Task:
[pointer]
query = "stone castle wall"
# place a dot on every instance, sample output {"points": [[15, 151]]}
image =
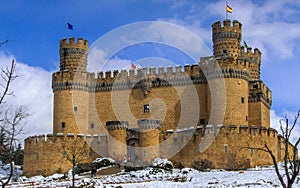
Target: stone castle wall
{"points": [[45, 156], [232, 100]]}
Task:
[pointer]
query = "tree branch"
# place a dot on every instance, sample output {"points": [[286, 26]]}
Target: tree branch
{"points": [[8, 76]]}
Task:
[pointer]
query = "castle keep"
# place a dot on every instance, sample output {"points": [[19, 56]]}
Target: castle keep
{"points": [[145, 113]]}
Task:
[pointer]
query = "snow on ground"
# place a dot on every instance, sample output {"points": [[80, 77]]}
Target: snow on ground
{"points": [[159, 178], [156, 178]]}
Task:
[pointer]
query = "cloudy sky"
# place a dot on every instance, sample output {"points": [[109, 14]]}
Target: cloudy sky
{"points": [[34, 29]]}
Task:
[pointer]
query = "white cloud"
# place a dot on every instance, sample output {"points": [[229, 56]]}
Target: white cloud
{"points": [[33, 89]]}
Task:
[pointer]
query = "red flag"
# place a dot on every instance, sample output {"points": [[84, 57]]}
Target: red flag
{"points": [[133, 66]]}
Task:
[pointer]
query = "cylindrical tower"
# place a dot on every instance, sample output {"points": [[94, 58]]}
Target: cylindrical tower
{"points": [[149, 139], [70, 88], [117, 148], [73, 56], [233, 75], [227, 38]]}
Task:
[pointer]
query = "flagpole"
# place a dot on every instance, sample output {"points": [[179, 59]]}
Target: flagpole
{"points": [[226, 9]]}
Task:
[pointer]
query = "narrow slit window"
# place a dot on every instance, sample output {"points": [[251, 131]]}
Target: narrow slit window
{"points": [[146, 108], [242, 100], [225, 148]]}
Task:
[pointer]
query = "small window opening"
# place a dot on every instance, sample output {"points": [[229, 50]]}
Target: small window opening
{"points": [[225, 148], [242, 100], [63, 125], [146, 108], [75, 108], [202, 121], [251, 152], [92, 125]]}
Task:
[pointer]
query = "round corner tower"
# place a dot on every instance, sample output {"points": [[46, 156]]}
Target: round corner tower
{"points": [[235, 73], [70, 88], [227, 38], [73, 56], [149, 139], [117, 140]]}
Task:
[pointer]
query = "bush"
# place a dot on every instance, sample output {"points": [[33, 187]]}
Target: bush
{"points": [[233, 162], [162, 163], [103, 162], [98, 163], [203, 165]]}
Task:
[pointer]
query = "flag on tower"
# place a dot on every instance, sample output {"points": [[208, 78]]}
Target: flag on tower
{"points": [[70, 26], [245, 45], [228, 9], [133, 66]]}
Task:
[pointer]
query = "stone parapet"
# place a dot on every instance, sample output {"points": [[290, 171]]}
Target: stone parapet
{"points": [[116, 125], [259, 92], [149, 124]]}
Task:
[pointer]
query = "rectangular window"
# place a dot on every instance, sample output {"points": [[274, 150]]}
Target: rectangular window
{"points": [[92, 125], [202, 121], [246, 118], [242, 100], [251, 152], [75, 108], [225, 148], [63, 125], [146, 108]]}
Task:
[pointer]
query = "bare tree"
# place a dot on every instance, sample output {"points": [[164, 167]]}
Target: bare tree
{"points": [[11, 125], [75, 150], [290, 160], [8, 75], [10, 120]]}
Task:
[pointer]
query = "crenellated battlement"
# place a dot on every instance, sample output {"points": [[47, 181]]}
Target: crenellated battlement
{"points": [[73, 55], [226, 38], [60, 137], [253, 57], [117, 125], [258, 91], [70, 43], [149, 124], [157, 77], [227, 30], [200, 130]]}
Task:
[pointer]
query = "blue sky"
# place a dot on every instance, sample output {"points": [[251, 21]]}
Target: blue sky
{"points": [[34, 29]]}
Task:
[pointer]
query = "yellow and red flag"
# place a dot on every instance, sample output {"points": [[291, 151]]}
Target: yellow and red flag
{"points": [[228, 9]]}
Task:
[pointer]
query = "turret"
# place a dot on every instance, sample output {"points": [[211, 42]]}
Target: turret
{"points": [[227, 38], [232, 78], [73, 55], [117, 139], [149, 139], [70, 88]]}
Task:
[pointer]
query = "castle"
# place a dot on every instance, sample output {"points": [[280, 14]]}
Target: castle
{"points": [[217, 109]]}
